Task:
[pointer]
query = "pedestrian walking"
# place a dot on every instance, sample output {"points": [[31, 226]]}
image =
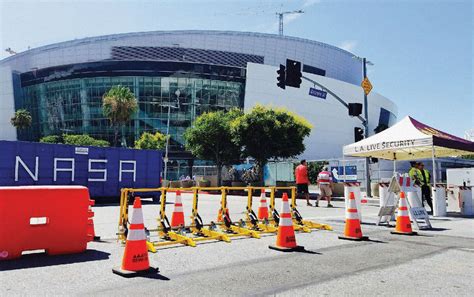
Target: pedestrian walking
{"points": [[325, 186], [302, 181], [425, 186]]}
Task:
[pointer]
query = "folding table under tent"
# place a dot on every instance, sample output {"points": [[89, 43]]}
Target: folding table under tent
{"points": [[409, 140]]}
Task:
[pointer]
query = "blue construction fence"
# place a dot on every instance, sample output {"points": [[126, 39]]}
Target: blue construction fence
{"points": [[103, 170]]}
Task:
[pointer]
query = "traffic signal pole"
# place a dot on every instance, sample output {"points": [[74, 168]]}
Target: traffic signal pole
{"points": [[366, 133], [364, 121], [293, 78]]}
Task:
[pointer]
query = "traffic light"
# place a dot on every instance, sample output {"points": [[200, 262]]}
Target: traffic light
{"points": [[281, 77], [355, 109], [358, 134], [293, 73]]}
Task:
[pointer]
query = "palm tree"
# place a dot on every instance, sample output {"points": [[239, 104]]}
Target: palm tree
{"points": [[118, 105], [22, 119]]}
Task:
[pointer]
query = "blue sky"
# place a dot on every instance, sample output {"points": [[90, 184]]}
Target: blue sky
{"points": [[422, 50]]}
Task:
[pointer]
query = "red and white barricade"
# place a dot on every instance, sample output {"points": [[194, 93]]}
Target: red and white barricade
{"points": [[460, 199], [383, 193], [438, 194]]}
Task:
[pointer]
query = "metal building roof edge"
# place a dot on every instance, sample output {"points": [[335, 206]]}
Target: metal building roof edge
{"points": [[85, 40]]}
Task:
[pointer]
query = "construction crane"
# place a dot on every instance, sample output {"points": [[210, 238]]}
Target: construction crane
{"points": [[10, 51], [280, 16]]}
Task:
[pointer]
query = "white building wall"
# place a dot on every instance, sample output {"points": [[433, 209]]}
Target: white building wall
{"points": [[7, 104], [332, 126]]}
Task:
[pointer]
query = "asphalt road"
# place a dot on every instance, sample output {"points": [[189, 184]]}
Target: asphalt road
{"points": [[435, 263]]}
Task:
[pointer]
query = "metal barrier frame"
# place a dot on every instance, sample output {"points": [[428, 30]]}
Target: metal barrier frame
{"points": [[209, 231]]}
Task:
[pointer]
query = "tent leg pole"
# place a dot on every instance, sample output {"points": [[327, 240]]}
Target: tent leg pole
{"points": [[439, 202], [394, 166]]}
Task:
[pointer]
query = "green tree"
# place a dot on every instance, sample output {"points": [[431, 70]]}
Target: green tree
{"points": [[84, 140], [52, 139], [118, 105], [210, 138], [266, 133], [149, 141], [314, 168], [22, 119]]}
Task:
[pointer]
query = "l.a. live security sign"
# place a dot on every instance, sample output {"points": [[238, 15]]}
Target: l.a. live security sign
{"points": [[103, 170]]}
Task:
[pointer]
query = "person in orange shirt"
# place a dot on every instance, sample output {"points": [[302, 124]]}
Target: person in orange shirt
{"points": [[302, 181]]}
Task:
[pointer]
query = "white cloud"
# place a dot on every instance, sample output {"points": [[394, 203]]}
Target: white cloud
{"points": [[308, 3], [348, 45], [291, 17]]}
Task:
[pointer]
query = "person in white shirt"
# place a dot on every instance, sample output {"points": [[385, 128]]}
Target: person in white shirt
{"points": [[325, 186]]}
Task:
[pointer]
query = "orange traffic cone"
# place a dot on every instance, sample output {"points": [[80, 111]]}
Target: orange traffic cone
{"points": [[219, 215], [403, 225], [177, 218], [263, 209], [286, 241], [135, 258], [352, 230]]}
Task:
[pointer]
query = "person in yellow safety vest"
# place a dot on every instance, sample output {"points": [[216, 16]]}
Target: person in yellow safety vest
{"points": [[425, 185], [415, 173]]}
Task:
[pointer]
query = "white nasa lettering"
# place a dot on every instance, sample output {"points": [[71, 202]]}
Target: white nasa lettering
{"points": [[34, 174], [56, 169], [96, 170], [18, 161], [121, 170]]}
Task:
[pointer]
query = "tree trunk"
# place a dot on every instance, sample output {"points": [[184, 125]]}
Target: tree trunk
{"points": [[116, 132], [219, 174], [261, 165]]}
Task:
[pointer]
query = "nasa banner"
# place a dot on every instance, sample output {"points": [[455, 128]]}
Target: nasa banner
{"points": [[103, 170]]}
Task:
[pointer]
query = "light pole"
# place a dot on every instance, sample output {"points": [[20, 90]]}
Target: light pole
{"points": [[177, 93], [365, 62]]}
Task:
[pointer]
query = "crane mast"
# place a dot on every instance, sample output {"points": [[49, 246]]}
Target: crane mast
{"points": [[280, 18]]}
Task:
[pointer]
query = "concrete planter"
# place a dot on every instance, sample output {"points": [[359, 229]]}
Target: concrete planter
{"points": [[175, 184], [204, 183], [187, 183]]}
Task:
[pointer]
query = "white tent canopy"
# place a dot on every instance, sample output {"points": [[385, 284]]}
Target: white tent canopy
{"points": [[409, 140]]}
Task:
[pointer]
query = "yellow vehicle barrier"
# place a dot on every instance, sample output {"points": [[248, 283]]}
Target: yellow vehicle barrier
{"points": [[206, 232], [264, 226], [165, 232], [298, 219], [233, 229], [222, 231], [276, 216]]}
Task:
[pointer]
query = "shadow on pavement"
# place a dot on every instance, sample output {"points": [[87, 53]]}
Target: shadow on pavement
{"points": [[436, 229], [305, 251], [376, 241], [368, 224], [43, 260], [156, 276]]}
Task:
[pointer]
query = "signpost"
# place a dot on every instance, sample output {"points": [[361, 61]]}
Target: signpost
{"points": [[366, 85], [317, 93]]}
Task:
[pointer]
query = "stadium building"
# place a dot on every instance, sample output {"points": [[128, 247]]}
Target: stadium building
{"points": [[193, 72]]}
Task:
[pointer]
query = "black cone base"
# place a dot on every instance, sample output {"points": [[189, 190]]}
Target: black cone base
{"points": [[404, 233], [363, 238], [298, 248], [128, 274]]}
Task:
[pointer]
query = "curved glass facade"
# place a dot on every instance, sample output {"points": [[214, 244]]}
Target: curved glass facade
{"points": [[74, 105]]}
